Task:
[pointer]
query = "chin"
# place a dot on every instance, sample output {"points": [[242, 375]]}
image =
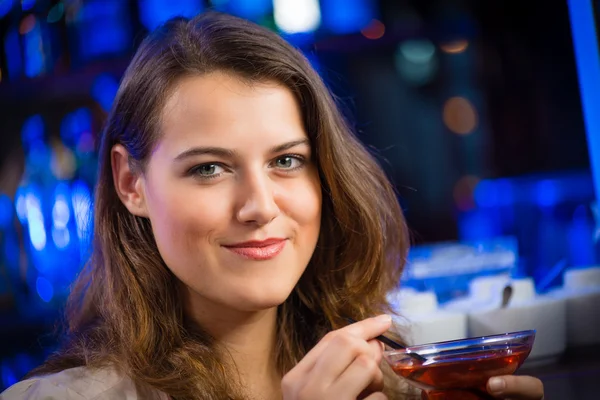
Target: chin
{"points": [[263, 300]]}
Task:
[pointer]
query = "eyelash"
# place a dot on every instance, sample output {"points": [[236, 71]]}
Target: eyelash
{"points": [[194, 171]]}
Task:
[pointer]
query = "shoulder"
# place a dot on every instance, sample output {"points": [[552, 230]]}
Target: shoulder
{"points": [[78, 384]]}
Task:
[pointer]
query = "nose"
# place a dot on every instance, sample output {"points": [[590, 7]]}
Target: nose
{"points": [[258, 205]]}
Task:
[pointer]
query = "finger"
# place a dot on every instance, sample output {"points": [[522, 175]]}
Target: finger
{"points": [[360, 376], [365, 329], [369, 328], [377, 349], [516, 387], [341, 352]]}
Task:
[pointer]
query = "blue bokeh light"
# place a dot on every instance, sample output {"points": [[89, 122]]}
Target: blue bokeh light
{"points": [[5, 7], [61, 237], [12, 49], [104, 90], [547, 194], [155, 12], [12, 250], [60, 212], [81, 200], [27, 4], [44, 289], [505, 195], [587, 56], [485, 194], [347, 16], [252, 10], [34, 51], [32, 131], [8, 376], [580, 237], [103, 28], [78, 122], [6, 211], [23, 363], [35, 221], [20, 204]]}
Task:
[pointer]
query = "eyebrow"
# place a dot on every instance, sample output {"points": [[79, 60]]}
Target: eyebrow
{"points": [[228, 153]]}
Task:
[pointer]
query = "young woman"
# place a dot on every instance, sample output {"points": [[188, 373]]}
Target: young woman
{"points": [[238, 223]]}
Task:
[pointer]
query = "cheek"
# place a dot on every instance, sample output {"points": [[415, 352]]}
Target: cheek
{"points": [[304, 206], [182, 222]]}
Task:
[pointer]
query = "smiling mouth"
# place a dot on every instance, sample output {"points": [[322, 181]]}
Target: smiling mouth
{"points": [[258, 250]]}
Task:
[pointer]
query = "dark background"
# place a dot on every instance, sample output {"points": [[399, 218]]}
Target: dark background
{"points": [[501, 73]]}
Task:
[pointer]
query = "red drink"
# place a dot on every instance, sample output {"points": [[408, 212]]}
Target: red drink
{"points": [[460, 369]]}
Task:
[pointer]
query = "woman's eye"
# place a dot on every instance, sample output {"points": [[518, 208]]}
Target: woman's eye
{"points": [[207, 170], [288, 162]]}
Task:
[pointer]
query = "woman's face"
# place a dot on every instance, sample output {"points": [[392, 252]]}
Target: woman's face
{"points": [[232, 192]]}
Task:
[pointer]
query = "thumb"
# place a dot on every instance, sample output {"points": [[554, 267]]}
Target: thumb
{"points": [[516, 387]]}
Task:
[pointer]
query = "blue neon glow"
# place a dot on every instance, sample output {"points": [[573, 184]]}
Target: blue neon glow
{"points": [[14, 57], [34, 51], [81, 200], [347, 16], [580, 237], [485, 194], [6, 210], [104, 90], [32, 131], [35, 222], [60, 212], [23, 363], [505, 195], [79, 122], [44, 289], [477, 224], [252, 10], [61, 237], [27, 4], [20, 204], [103, 28], [314, 61], [547, 193], [155, 12], [585, 42], [5, 7], [12, 251], [8, 376]]}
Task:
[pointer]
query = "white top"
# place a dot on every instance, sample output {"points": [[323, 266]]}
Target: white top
{"points": [[79, 383]]}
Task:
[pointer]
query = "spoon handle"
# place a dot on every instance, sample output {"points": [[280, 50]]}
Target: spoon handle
{"points": [[393, 344]]}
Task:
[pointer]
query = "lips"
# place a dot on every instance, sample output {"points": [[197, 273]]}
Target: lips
{"points": [[258, 250]]}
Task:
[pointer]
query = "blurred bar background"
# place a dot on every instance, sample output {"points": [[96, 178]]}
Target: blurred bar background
{"points": [[474, 108]]}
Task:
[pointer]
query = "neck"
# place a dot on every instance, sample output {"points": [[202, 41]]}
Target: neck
{"points": [[247, 337]]}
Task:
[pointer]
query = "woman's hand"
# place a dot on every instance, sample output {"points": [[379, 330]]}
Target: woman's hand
{"points": [[343, 365], [516, 387]]}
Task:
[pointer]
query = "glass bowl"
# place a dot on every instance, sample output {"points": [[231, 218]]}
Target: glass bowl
{"points": [[460, 369]]}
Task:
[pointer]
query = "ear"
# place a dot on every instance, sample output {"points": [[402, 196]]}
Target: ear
{"points": [[129, 183]]}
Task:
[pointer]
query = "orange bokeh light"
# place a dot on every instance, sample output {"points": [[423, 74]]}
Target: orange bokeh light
{"points": [[27, 24], [455, 46], [375, 30], [460, 115]]}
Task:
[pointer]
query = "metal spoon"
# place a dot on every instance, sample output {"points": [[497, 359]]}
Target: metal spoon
{"points": [[394, 345]]}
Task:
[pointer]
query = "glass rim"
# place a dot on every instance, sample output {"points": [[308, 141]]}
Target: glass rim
{"points": [[432, 348]]}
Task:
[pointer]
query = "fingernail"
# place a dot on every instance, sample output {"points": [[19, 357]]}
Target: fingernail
{"points": [[496, 384], [384, 319]]}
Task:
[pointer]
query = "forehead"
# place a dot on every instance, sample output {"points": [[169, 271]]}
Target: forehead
{"points": [[218, 104]]}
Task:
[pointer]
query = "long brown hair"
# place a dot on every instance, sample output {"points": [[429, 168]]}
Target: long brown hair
{"points": [[124, 310]]}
